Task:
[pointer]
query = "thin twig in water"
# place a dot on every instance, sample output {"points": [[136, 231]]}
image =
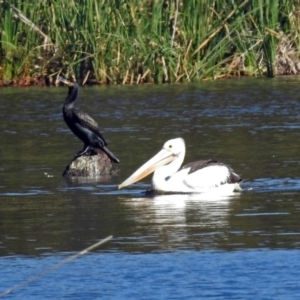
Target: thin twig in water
{"points": [[19, 286]]}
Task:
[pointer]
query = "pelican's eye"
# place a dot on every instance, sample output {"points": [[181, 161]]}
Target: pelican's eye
{"points": [[170, 146]]}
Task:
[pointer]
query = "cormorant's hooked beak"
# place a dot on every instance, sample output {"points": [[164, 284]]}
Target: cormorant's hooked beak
{"points": [[65, 81], [160, 159]]}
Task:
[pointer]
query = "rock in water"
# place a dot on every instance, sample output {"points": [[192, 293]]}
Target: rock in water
{"points": [[94, 163]]}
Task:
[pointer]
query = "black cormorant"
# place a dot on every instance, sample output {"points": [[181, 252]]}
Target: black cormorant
{"points": [[82, 125]]}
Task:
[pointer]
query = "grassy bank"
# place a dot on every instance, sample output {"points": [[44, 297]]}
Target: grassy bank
{"points": [[150, 41]]}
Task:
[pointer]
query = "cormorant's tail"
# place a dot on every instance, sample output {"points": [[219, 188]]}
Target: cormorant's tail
{"points": [[110, 154]]}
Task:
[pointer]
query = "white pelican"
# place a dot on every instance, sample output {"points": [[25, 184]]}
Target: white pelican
{"points": [[197, 177]]}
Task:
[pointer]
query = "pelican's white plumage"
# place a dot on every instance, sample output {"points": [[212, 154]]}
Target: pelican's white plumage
{"points": [[198, 177]]}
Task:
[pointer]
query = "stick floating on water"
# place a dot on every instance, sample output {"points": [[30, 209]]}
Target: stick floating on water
{"points": [[83, 252]]}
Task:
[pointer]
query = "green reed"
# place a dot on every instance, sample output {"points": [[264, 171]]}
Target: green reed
{"points": [[131, 41]]}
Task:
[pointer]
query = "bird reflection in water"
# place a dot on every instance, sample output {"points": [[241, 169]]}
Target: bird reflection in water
{"points": [[172, 220]]}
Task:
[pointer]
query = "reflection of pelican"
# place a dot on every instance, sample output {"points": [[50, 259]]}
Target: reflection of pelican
{"points": [[197, 177], [172, 214]]}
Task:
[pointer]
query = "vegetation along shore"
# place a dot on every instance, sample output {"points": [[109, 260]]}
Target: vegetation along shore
{"points": [[148, 41]]}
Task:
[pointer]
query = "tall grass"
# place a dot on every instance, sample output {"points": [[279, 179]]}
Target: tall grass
{"points": [[134, 41]]}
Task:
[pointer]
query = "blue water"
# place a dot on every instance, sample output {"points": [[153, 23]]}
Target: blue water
{"points": [[252, 274]]}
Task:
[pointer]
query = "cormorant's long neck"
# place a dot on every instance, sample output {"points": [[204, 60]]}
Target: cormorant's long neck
{"points": [[72, 95]]}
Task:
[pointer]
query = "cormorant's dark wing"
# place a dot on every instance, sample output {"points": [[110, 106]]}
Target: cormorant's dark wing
{"points": [[87, 122]]}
